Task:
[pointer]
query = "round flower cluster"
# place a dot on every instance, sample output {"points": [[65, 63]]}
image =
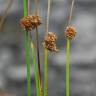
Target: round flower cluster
{"points": [[30, 22], [70, 32], [49, 42]]}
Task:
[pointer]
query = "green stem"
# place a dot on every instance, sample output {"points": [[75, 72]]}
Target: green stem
{"points": [[25, 7], [45, 71], [27, 51], [68, 68], [38, 59], [35, 69], [46, 53]]}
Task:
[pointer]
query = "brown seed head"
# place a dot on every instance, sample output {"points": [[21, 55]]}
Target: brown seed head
{"points": [[70, 32], [26, 23], [49, 42], [50, 37], [30, 22], [36, 21]]}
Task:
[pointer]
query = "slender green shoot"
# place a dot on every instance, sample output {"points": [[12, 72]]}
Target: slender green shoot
{"points": [[68, 68], [25, 7], [37, 45], [45, 71], [38, 59], [68, 53], [46, 53], [27, 50], [33, 56], [35, 69]]}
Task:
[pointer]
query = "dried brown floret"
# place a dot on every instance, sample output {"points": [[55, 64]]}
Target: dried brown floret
{"points": [[70, 32], [49, 42], [51, 37], [26, 23], [30, 22], [36, 21]]}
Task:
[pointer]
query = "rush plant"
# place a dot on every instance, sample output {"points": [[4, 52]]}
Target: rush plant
{"points": [[69, 34], [31, 22]]}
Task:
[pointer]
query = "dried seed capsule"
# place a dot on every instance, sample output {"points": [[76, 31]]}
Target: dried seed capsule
{"points": [[26, 23], [70, 32], [50, 46], [30, 22], [36, 21], [50, 37], [49, 42]]}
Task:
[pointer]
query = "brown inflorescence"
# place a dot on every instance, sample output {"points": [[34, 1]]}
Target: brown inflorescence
{"points": [[30, 22], [49, 42], [70, 32]]}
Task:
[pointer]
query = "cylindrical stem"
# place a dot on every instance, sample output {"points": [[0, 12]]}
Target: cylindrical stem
{"points": [[37, 41], [35, 69], [46, 53], [27, 52], [38, 58], [71, 11], [45, 72], [37, 6], [48, 15], [68, 68], [28, 7], [28, 65]]}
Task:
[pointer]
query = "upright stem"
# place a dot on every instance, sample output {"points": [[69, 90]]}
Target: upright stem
{"points": [[28, 8], [38, 58], [46, 53], [27, 51], [37, 41], [68, 54], [48, 15], [35, 69], [25, 7], [45, 72], [37, 7], [71, 11], [33, 56], [68, 68], [28, 65]]}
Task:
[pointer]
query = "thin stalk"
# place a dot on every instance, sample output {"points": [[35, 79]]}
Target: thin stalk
{"points": [[68, 68], [45, 72], [46, 53], [27, 51], [71, 11], [35, 66], [37, 43], [48, 15], [33, 56], [68, 54], [28, 8], [35, 69], [25, 7], [38, 59], [37, 7]]}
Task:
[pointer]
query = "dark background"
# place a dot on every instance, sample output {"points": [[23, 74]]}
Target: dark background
{"points": [[83, 48]]}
